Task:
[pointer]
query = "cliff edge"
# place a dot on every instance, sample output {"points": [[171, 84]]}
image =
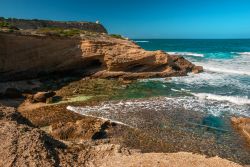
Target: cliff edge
{"points": [[37, 24]]}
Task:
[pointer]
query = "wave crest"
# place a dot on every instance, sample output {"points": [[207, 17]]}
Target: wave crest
{"points": [[141, 41], [242, 53], [186, 54], [232, 99]]}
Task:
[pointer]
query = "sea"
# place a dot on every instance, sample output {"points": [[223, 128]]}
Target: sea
{"points": [[223, 87]]}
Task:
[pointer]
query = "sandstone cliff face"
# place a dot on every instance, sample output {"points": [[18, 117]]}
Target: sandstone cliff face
{"points": [[35, 24], [28, 56]]}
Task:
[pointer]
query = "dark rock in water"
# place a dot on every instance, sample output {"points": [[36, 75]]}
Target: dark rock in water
{"points": [[42, 96], [13, 93]]}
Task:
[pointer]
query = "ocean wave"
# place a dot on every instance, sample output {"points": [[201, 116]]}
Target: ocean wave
{"points": [[186, 54], [242, 53], [232, 99], [141, 41], [224, 70], [110, 108]]}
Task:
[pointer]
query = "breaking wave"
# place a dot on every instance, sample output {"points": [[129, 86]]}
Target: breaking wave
{"points": [[242, 53], [186, 54], [224, 70], [232, 99], [141, 41]]}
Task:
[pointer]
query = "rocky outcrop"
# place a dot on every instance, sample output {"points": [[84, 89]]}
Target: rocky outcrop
{"points": [[99, 55], [36, 24], [24, 145], [243, 125], [42, 96]]}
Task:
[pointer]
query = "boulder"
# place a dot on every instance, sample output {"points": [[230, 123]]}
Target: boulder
{"points": [[43, 96], [197, 69]]}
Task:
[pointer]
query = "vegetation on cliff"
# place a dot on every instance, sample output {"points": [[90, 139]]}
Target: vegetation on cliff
{"points": [[37, 24]]}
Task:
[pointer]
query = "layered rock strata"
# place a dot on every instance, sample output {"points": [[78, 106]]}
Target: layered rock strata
{"points": [[32, 55]]}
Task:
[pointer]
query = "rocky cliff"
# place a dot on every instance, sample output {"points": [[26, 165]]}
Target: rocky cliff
{"points": [[30, 54], [36, 24]]}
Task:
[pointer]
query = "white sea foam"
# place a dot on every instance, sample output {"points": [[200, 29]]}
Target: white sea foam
{"points": [[232, 99], [141, 41], [224, 70], [112, 109], [236, 66], [207, 79], [175, 90], [242, 53], [80, 110], [186, 54]]}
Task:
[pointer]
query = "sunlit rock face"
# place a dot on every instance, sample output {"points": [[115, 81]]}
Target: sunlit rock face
{"points": [[28, 55]]}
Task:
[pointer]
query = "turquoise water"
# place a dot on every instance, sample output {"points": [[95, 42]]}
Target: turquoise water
{"points": [[224, 87]]}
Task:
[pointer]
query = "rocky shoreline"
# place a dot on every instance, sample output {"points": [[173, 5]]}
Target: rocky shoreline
{"points": [[43, 71]]}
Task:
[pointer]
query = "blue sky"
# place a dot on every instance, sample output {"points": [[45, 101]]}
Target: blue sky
{"points": [[144, 18]]}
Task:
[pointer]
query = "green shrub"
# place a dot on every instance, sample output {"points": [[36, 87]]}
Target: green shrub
{"points": [[5, 24], [59, 31], [116, 36]]}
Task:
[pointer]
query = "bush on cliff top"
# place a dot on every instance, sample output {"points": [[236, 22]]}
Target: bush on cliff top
{"points": [[5, 24], [116, 36], [8, 26], [59, 31], [64, 32]]}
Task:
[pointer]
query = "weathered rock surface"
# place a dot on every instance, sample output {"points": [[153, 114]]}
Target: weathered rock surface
{"points": [[243, 125], [82, 129], [28, 56], [42, 96], [24, 145]]}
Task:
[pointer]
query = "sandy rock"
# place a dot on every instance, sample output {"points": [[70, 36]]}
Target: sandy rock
{"points": [[197, 69], [23, 145], [243, 125], [87, 129], [42, 96]]}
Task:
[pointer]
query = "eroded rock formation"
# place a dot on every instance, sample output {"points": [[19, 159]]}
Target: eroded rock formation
{"points": [[27, 56]]}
